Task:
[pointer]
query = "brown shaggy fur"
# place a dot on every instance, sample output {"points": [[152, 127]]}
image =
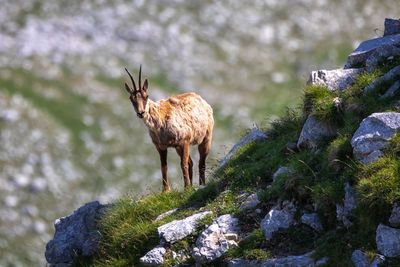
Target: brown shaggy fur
{"points": [[178, 121]]}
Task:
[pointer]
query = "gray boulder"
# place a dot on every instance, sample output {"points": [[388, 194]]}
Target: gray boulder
{"points": [[276, 219], [388, 240], [251, 202], [392, 26], [359, 56], [359, 259], [345, 211], [75, 234], [394, 219], [179, 229], [313, 130], [154, 257], [279, 172], [392, 74], [313, 221], [216, 239], [373, 134], [254, 136], [296, 261], [381, 53], [335, 80]]}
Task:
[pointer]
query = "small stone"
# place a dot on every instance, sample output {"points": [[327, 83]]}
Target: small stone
{"points": [[335, 80], [313, 221], [291, 146], [392, 90], [251, 202], [392, 74], [359, 259], [345, 211], [392, 26], [254, 136], [276, 219], [377, 261], [154, 257], [322, 261], [216, 239], [394, 219], [373, 134], [313, 130], [258, 211], [388, 240], [179, 229], [280, 171], [165, 214], [243, 195]]}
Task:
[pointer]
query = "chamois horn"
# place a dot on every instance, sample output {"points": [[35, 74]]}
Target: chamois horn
{"points": [[133, 82], [140, 77]]}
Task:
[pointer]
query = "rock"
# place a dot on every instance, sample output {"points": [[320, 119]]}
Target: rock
{"points": [[372, 157], [179, 229], [392, 90], [216, 239], [279, 172], [180, 256], [75, 234], [313, 130], [381, 53], [297, 261], [251, 202], [243, 195], [388, 240], [392, 74], [394, 219], [345, 211], [322, 261], [165, 214], [377, 261], [359, 259], [392, 26], [313, 221], [254, 136], [335, 80], [366, 48], [154, 257], [291, 147], [276, 219], [373, 134]]}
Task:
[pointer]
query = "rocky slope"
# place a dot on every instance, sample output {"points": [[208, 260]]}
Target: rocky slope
{"points": [[319, 188]]}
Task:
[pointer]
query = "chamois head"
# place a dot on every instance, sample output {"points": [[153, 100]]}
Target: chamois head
{"points": [[139, 96]]}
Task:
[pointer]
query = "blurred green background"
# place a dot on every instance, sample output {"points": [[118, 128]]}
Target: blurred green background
{"points": [[68, 133]]}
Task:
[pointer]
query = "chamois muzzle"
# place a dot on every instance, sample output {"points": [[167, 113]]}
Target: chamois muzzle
{"points": [[140, 114]]}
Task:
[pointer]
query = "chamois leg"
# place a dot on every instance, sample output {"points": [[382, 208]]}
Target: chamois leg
{"points": [[204, 148], [164, 169], [179, 150], [183, 152], [190, 170]]}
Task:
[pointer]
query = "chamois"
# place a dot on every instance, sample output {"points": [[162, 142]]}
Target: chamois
{"points": [[178, 121]]}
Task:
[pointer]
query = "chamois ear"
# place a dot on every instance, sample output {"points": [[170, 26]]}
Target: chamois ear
{"points": [[128, 89], [145, 85]]}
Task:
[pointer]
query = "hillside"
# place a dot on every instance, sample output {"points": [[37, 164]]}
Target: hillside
{"points": [[319, 187]]}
